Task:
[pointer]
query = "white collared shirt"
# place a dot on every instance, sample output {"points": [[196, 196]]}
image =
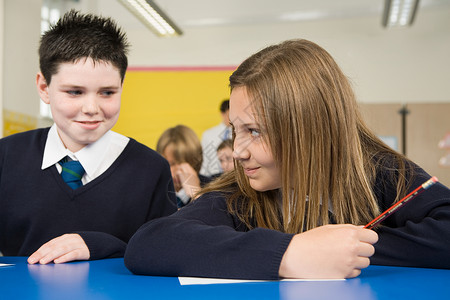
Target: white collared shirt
{"points": [[95, 158]]}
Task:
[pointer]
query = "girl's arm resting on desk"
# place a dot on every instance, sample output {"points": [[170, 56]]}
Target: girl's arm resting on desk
{"points": [[203, 239]]}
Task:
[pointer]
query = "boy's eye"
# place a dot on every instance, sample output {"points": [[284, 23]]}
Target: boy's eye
{"points": [[107, 93], [74, 92]]}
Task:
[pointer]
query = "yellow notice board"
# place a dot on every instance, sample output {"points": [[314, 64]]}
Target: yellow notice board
{"points": [[15, 122], [155, 99]]}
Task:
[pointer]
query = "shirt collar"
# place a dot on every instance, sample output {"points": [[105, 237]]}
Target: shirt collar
{"points": [[89, 156], [54, 149]]}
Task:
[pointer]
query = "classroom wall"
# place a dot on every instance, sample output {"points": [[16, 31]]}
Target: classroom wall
{"points": [[21, 33], [386, 66], [425, 125], [154, 99]]}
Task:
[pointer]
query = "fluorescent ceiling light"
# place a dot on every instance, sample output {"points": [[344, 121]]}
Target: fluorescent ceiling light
{"points": [[152, 16], [399, 12]]}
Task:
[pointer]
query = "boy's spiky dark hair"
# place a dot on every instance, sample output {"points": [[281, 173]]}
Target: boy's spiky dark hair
{"points": [[76, 36]]}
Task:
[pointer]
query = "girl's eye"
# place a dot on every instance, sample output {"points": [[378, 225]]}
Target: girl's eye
{"points": [[254, 132]]}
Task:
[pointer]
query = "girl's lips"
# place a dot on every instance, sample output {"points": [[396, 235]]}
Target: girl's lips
{"points": [[250, 171]]}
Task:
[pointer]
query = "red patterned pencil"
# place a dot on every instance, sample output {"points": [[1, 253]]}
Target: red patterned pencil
{"points": [[403, 201]]}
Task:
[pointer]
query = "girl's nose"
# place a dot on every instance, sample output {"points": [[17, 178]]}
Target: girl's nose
{"points": [[240, 149]]}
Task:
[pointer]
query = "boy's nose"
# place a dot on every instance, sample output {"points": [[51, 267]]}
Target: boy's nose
{"points": [[90, 105]]}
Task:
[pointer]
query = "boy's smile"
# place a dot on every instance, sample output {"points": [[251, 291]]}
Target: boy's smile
{"points": [[84, 98]]}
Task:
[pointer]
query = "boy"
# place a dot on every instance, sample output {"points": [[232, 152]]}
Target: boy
{"points": [[211, 138], [225, 155], [123, 183]]}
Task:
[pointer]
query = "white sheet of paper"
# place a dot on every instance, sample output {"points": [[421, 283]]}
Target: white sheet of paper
{"points": [[6, 265], [201, 280]]}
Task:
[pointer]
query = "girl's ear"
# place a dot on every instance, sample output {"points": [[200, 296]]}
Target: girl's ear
{"points": [[42, 88]]}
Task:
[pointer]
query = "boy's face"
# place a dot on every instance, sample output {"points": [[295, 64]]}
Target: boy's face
{"points": [[225, 156], [84, 99]]}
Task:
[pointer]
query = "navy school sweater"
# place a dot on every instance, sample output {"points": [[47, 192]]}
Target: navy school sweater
{"points": [[215, 243], [37, 205]]}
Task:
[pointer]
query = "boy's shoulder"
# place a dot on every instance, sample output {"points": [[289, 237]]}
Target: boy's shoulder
{"points": [[142, 152], [34, 136]]}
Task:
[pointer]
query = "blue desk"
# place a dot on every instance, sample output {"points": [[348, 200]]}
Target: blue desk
{"points": [[109, 279]]}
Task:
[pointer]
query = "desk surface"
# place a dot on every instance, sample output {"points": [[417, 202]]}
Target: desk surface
{"points": [[109, 279]]}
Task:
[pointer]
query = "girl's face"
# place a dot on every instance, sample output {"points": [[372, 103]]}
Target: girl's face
{"points": [[250, 149], [174, 165], [225, 156]]}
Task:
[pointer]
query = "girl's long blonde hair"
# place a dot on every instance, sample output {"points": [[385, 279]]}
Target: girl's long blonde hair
{"points": [[186, 145], [327, 156]]}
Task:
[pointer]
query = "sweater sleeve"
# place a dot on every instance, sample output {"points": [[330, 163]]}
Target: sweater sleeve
{"points": [[418, 234], [103, 245], [204, 240]]}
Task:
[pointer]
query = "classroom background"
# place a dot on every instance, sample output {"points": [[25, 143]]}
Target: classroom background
{"points": [[401, 76]]}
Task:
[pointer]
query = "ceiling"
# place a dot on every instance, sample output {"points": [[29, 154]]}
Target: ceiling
{"points": [[207, 13]]}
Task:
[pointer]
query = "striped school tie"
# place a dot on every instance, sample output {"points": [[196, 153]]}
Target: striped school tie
{"points": [[71, 173]]}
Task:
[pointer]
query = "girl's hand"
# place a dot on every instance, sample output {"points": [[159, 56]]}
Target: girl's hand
{"points": [[65, 248], [188, 178], [330, 251]]}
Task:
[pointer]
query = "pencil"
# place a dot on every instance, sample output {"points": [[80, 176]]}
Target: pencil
{"points": [[398, 204]]}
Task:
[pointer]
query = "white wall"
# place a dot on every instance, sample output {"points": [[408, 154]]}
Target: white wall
{"points": [[21, 33], [386, 65], [396, 65]]}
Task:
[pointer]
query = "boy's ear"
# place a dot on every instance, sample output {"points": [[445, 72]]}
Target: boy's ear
{"points": [[42, 88]]}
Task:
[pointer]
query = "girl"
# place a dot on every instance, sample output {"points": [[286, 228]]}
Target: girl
{"points": [[308, 175], [182, 149]]}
